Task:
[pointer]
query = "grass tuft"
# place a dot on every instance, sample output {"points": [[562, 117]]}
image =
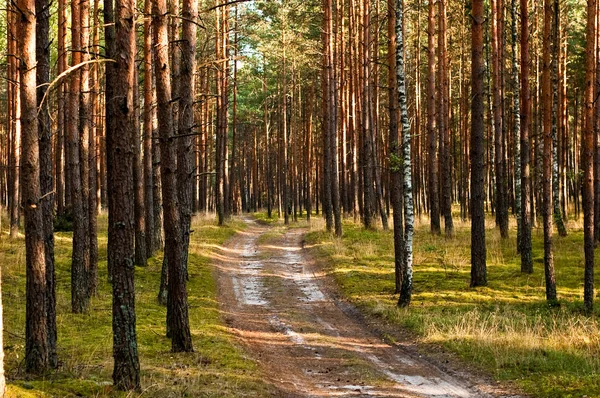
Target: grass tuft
{"points": [[217, 368], [506, 328]]}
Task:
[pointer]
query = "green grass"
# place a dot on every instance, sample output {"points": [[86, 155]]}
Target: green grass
{"points": [[217, 368], [506, 328]]}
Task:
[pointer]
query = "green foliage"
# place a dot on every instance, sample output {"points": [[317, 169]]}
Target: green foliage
{"points": [[506, 328], [217, 368]]}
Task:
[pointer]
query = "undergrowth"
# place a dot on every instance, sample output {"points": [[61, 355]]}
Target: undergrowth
{"points": [[217, 368], [506, 328]]}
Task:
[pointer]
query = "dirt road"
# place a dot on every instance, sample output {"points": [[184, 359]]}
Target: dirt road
{"points": [[275, 300]]}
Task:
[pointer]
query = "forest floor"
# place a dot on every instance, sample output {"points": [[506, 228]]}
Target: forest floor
{"points": [[218, 367], [310, 342], [505, 330]]}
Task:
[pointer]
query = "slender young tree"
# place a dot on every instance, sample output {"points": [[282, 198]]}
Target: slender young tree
{"points": [[177, 306], [80, 257], [434, 198], [477, 154], [148, 109], [395, 150], [409, 218], [121, 232], [547, 161], [588, 159], [525, 219], [444, 123]]}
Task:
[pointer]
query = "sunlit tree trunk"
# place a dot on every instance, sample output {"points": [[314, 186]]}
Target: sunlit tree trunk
{"points": [[36, 339], [407, 274], [478, 249]]}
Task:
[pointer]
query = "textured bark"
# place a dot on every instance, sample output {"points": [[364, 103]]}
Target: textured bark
{"points": [[588, 159], [148, 112], [221, 118], [497, 83], [140, 257], [177, 306], [516, 109], [42, 49], [84, 142], [15, 127], [434, 199], [36, 339], [444, 124], [525, 219], [121, 234], [80, 256], [547, 161], [558, 218], [61, 117], [94, 205], [395, 151], [478, 249], [367, 122], [186, 172], [409, 218], [109, 38]]}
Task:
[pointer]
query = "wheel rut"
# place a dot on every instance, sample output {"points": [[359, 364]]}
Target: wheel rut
{"points": [[273, 300]]}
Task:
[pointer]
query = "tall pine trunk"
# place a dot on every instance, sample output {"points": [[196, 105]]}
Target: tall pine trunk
{"points": [[525, 218], [547, 161], [36, 340], [477, 154], [121, 231], [177, 306], [588, 159], [46, 181]]}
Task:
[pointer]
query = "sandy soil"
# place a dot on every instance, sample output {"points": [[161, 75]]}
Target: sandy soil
{"points": [[278, 304]]}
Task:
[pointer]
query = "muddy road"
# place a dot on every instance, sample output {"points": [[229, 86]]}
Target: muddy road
{"points": [[276, 301]]}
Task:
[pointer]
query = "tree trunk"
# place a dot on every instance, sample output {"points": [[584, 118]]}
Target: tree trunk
{"points": [[148, 113], [36, 340], [547, 161], [140, 256], [478, 249], [588, 159], [525, 219], [395, 150], [186, 172], [121, 231], [177, 307], [434, 197], [444, 124], [80, 258], [407, 274], [46, 182]]}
